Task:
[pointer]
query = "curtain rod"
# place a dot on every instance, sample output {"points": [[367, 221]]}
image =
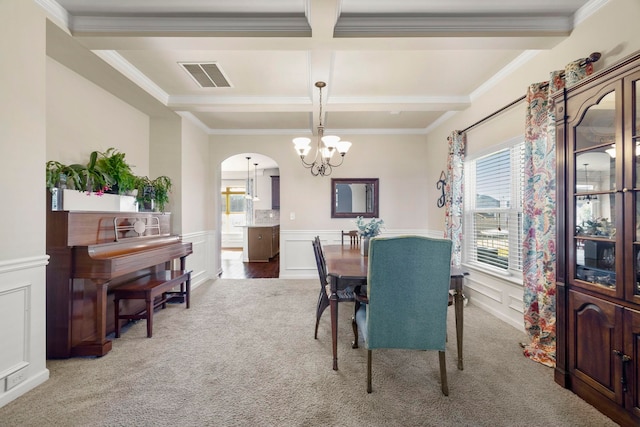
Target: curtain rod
{"points": [[594, 57]]}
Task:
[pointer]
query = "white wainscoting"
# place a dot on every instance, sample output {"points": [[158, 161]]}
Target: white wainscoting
{"points": [[22, 326], [296, 253], [15, 304], [202, 262], [499, 295]]}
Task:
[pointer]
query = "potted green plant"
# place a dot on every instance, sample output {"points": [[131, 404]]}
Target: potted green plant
{"points": [[59, 177], [94, 178], [162, 188], [62, 176], [145, 195], [117, 172], [153, 193]]}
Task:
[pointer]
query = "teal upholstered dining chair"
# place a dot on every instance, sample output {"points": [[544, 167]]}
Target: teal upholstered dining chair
{"points": [[407, 297]]}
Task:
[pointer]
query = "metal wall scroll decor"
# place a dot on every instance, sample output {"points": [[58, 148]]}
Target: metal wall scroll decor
{"points": [[440, 185]]}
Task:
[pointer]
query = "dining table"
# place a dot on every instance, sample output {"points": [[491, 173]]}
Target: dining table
{"points": [[346, 266]]}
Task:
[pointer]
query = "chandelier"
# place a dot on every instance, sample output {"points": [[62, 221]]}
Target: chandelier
{"points": [[326, 147]]}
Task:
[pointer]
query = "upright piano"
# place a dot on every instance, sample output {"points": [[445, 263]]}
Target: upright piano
{"points": [[91, 253]]}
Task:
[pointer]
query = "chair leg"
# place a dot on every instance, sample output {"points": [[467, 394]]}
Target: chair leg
{"points": [[116, 305], [368, 371], [443, 373], [318, 315], [354, 325], [323, 303]]}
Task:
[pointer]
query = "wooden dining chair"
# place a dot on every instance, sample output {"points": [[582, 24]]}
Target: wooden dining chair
{"points": [[407, 297], [354, 237], [325, 288]]}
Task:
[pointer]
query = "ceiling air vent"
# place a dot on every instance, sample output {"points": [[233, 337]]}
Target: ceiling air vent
{"points": [[206, 74]]}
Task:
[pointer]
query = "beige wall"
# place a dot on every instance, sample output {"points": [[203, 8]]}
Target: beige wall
{"points": [[398, 161], [22, 130], [82, 117], [22, 177], [198, 196], [612, 32], [165, 159]]}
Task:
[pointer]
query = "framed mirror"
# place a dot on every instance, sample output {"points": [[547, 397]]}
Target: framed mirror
{"points": [[353, 197]]}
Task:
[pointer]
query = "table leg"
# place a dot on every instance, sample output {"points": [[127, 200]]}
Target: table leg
{"points": [[458, 302], [333, 304]]}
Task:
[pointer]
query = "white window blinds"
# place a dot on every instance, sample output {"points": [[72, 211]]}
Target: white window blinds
{"points": [[493, 208]]}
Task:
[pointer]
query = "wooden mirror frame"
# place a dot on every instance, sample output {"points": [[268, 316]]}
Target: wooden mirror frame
{"points": [[376, 197]]}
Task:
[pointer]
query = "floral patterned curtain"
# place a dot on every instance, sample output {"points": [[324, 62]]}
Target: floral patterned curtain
{"points": [[539, 245], [453, 194]]}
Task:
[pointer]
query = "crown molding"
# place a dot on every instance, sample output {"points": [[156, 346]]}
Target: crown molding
{"points": [[443, 118], [504, 73], [337, 100], [187, 115], [177, 100], [259, 132], [118, 62], [55, 12], [307, 132], [587, 10]]}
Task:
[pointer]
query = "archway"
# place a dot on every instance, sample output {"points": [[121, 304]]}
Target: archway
{"points": [[249, 201]]}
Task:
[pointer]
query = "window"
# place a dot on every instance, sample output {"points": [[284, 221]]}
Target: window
{"points": [[493, 208], [233, 200]]}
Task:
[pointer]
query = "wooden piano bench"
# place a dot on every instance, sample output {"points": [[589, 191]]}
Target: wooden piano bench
{"points": [[148, 288]]}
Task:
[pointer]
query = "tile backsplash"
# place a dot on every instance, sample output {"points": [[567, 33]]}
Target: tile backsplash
{"points": [[266, 216]]}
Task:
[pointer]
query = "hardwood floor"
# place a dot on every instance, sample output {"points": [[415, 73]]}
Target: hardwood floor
{"points": [[234, 268]]}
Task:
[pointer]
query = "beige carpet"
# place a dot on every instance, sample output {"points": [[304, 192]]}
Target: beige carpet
{"points": [[244, 355]]}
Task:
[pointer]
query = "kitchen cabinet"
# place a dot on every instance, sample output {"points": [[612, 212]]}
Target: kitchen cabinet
{"points": [[275, 192], [263, 242]]}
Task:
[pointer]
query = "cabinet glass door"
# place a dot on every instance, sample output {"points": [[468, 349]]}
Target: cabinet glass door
{"points": [[635, 152], [594, 172]]}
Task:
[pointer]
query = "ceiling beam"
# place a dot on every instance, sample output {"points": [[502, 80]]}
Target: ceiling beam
{"points": [[479, 25]]}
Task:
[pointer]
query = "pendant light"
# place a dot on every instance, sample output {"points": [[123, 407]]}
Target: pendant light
{"points": [[255, 183], [248, 190]]}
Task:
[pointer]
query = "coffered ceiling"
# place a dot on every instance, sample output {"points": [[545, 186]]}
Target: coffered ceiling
{"points": [[391, 66]]}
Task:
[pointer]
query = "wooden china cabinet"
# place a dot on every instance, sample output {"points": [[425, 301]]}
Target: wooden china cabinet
{"points": [[598, 254]]}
